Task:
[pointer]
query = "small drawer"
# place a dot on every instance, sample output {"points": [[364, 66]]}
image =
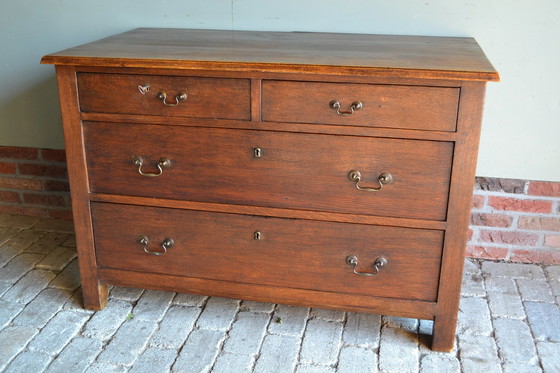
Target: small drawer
{"points": [[174, 96], [367, 105], [271, 169], [324, 256]]}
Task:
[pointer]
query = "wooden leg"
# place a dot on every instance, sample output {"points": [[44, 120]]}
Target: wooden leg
{"points": [[94, 295], [443, 335]]}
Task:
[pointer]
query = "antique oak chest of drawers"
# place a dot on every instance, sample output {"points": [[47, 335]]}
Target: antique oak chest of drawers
{"points": [[314, 169]]}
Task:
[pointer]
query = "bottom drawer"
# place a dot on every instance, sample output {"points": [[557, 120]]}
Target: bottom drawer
{"points": [[277, 252]]}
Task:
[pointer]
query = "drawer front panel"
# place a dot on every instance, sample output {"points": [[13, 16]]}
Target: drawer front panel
{"points": [[388, 106], [272, 169], [140, 94], [290, 253]]}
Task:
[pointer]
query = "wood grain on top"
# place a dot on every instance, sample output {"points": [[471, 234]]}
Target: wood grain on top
{"points": [[325, 53]]}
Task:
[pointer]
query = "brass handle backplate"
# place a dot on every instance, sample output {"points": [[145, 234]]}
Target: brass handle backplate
{"points": [[179, 97], [355, 106], [167, 243], [163, 163], [352, 261], [383, 179]]}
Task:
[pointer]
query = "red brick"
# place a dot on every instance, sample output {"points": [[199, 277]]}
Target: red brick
{"points": [[22, 210], [536, 256], [552, 240], [18, 152], [491, 220], [7, 168], [54, 171], [56, 186], [55, 155], [24, 184], [509, 237], [7, 196], [477, 201], [539, 223], [544, 188], [495, 253], [43, 199], [61, 214], [469, 235], [523, 205]]}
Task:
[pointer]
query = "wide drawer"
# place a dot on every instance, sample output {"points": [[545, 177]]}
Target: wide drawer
{"points": [[142, 94], [389, 106], [272, 169], [269, 251]]}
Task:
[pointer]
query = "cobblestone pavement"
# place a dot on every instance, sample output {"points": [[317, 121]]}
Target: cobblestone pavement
{"points": [[509, 322]]}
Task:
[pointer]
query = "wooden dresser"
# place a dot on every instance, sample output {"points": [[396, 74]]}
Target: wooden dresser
{"points": [[314, 169]]}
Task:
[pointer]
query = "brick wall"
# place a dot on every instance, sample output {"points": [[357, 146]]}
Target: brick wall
{"points": [[515, 220], [512, 220], [34, 182]]}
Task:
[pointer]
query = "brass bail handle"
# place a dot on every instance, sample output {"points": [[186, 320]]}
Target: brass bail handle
{"points": [[179, 97], [355, 106], [162, 163], [383, 179], [352, 261], [167, 243]]}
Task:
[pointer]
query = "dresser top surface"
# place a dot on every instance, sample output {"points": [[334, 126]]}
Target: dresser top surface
{"points": [[424, 57]]}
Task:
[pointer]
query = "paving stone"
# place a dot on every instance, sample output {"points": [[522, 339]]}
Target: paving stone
{"points": [[4, 287], [544, 320], [29, 286], [553, 272], [154, 360], [47, 243], [152, 305], [218, 314], [21, 221], [13, 339], [247, 333], [520, 368], [305, 368], [362, 329], [58, 332], [478, 353], [500, 284], [41, 309], [28, 362], [69, 242], [555, 288], [229, 363], [279, 353], [55, 225], [404, 323], [398, 350], [106, 322], [57, 259], [515, 341], [128, 342], [471, 266], [513, 270], [8, 311], [505, 305], [127, 294], [473, 285], [69, 278], [321, 342], [17, 244], [550, 356], [474, 316], [175, 327], [18, 267], [439, 363], [76, 356], [257, 306], [183, 299], [329, 315], [537, 291], [199, 352], [6, 233], [288, 320], [99, 367], [357, 360], [76, 303], [426, 327]]}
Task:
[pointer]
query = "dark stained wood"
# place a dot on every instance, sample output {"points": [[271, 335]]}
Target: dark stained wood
{"points": [[300, 171], [326, 53], [292, 254], [206, 97], [389, 106]]}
